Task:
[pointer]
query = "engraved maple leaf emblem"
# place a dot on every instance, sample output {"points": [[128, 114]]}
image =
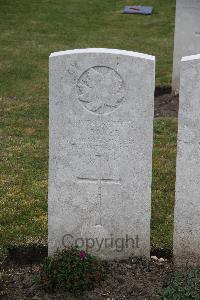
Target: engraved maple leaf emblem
{"points": [[100, 90]]}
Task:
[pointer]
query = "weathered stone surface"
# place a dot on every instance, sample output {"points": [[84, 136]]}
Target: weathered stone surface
{"points": [[187, 207], [100, 159], [187, 35]]}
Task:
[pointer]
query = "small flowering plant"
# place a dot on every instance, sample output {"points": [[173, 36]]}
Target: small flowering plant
{"points": [[82, 255], [71, 269]]}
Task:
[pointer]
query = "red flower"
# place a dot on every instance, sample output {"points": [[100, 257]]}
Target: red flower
{"points": [[82, 254]]}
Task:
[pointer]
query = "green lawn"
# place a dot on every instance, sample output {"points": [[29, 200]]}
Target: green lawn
{"points": [[30, 31], [163, 185]]}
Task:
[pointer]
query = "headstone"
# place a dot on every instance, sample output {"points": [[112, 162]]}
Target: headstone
{"points": [[187, 206], [100, 159], [187, 35]]}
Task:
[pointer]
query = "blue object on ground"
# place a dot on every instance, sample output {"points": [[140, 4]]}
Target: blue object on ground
{"points": [[143, 10]]}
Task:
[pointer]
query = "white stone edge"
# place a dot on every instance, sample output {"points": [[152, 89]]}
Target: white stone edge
{"points": [[105, 51], [190, 57]]}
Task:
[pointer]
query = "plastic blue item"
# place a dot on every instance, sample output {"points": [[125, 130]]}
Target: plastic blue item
{"points": [[143, 10]]}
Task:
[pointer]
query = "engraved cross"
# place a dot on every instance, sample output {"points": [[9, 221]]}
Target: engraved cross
{"points": [[100, 180]]}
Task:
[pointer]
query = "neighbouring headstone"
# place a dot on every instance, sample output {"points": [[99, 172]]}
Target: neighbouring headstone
{"points": [[187, 206], [100, 159], [187, 35]]}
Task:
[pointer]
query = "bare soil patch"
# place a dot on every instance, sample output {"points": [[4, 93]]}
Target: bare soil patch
{"points": [[134, 278], [166, 105]]}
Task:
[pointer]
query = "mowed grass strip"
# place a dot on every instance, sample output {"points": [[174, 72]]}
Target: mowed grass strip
{"points": [[163, 183], [30, 31], [23, 175]]}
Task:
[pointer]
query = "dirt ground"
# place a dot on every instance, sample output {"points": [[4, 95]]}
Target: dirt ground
{"points": [[166, 105], [134, 279]]}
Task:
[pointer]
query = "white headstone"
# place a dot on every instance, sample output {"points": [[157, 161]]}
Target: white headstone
{"points": [[101, 131], [187, 206], [187, 35]]}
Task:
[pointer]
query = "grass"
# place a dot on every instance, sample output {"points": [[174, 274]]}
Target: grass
{"points": [[30, 31], [163, 184]]}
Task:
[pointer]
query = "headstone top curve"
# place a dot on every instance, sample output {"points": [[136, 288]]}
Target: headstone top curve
{"points": [[104, 51], [190, 57]]}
